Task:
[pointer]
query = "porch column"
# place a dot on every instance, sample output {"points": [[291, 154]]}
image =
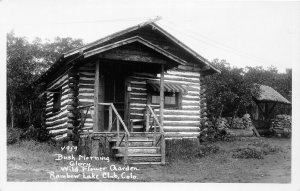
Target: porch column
{"points": [[96, 98], [162, 97], [161, 115]]}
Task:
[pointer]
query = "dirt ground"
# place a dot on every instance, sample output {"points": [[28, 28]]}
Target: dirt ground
{"points": [[30, 164]]}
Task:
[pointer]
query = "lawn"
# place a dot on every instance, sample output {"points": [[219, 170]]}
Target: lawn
{"points": [[246, 160]]}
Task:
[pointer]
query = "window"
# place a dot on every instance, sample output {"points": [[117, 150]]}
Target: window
{"points": [[57, 99], [171, 99]]}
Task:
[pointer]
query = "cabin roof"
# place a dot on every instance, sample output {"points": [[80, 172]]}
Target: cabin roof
{"points": [[268, 94], [110, 41]]}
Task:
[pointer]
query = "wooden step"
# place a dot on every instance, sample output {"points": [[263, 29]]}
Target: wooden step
{"points": [[146, 163], [136, 142], [138, 150], [137, 158], [139, 155]]}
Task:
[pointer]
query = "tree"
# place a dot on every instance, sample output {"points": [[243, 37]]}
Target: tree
{"points": [[25, 62], [228, 93]]}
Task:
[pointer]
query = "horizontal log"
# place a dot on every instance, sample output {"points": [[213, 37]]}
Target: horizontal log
{"points": [[58, 83], [182, 134], [86, 75], [87, 86], [193, 89], [91, 82], [140, 111], [178, 118], [182, 123], [138, 96], [181, 129], [86, 68], [179, 112], [139, 90], [86, 97], [49, 114], [80, 91], [179, 78], [134, 116], [56, 117], [58, 132], [138, 101], [138, 86], [60, 126], [138, 82], [187, 107], [187, 99], [57, 122], [183, 73], [190, 104], [60, 138]]}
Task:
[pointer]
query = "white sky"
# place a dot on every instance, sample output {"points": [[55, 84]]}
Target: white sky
{"points": [[243, 33]]}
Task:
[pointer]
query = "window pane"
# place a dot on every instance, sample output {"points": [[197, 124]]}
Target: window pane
{"points": [[170, 100], [155, 99]]}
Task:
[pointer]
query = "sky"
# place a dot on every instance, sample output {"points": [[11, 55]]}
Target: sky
{"points": [[242, 33]]}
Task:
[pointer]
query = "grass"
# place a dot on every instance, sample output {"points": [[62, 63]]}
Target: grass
{"points": [[211, 162]]}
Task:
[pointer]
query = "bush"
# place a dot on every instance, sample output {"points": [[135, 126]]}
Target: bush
{"points": [[256, 150], [183, 149], [13, 135], [36, 133], [248, 152], [267, 148], [31, 145]]}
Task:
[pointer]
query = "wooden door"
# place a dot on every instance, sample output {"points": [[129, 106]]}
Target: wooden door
{"points": [[114, 85]]}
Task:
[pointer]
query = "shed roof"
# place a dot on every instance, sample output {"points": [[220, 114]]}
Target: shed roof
{"points": [[268, 94]]}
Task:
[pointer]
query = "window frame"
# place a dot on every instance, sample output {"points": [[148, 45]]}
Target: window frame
{"points": [[178, 99], [56, 104]]}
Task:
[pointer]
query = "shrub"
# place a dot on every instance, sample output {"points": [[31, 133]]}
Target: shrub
{"points": [[266, 147], [248, 152], [13, 135], [36, 133], [256, 150], [31, 145], [183, 149]]}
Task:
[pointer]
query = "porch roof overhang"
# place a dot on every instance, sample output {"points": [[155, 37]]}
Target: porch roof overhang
{"points": [[154, 85], [140, 40]]}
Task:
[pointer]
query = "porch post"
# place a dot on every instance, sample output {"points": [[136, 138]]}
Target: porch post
{"points": [[96, 98], [161, 115], [162, 97]]}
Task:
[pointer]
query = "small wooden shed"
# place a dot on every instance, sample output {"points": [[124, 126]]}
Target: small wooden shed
{"points": [[141, 82], [266, 101]]}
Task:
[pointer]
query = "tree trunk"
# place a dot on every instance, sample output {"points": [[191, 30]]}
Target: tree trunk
{"points": [[12, 117], [30, 112]]}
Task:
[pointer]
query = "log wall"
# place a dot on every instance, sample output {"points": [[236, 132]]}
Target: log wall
{"points": [[78, 90], [184, 122], [56, 122], [86, 92]]}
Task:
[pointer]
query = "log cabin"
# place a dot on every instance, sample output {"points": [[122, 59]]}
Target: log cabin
{"points": [[128, 92]]}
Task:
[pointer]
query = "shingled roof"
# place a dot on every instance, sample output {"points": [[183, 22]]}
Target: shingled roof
{"points": [[268, 94]]}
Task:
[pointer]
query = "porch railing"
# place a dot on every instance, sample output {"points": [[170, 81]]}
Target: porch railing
{"points": [[120, 136], [153, 124]]}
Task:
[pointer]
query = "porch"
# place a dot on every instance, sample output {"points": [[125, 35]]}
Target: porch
{"points": [[118, 142]]}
